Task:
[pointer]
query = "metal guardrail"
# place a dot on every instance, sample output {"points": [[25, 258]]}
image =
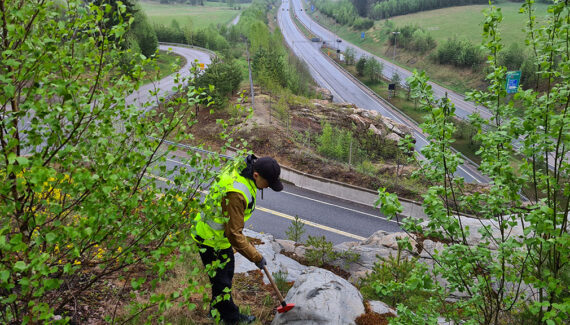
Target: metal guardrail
{"points": [[181, 145], [212, 53]]}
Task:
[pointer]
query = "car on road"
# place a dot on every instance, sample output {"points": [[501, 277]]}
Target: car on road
{"points": [[315, 39], [338, 40]]}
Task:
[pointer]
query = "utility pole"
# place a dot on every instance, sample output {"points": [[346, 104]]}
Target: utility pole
{"points": [[395, 37], [350, 153]]}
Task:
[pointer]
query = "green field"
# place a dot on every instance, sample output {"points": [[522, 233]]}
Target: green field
{"points": [[201, 16], [462, 21], [466, 22]]}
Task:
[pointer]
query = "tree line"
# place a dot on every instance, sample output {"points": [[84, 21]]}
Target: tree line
{"points": [[389, 8], [360, 14], [344, 13]]}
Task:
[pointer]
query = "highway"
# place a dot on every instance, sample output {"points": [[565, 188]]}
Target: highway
{"points": [[463, 108], [343, 88]]}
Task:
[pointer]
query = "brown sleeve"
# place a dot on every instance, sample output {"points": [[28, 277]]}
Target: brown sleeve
{"points": [[233, 207]]}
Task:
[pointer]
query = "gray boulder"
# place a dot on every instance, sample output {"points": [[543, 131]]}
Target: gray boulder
{"points": [[381, 308], [321, 298], [275, 262]]}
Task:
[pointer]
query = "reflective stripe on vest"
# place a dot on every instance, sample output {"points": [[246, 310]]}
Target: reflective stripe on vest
{"points": [[242, 187], [214, 225]]}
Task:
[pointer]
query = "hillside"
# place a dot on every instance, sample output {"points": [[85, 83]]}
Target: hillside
{"points": [[292, 133]]}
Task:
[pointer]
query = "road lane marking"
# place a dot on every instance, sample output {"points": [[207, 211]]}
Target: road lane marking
{"points": [[341, 207], [286, 216], [312, 224]]}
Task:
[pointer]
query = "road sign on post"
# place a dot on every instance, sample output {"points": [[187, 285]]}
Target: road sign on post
{"points": [[362, 35], [201, 66], [513, 80], [312, 7]]}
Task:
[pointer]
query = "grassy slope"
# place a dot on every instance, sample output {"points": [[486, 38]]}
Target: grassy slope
{"points": [[201, 16], [465, 22]]}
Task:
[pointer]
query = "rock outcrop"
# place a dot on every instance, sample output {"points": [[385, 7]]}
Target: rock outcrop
{"points": [[276, 263], [321, 298]]}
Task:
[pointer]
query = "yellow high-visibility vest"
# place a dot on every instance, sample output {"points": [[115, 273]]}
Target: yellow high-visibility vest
{"points": [[211, 227]]}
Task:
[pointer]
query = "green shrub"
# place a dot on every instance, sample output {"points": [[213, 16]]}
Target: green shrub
{"points": [[225, 76], [396, 280], [280, 278], [460, 53], [320, 251], [361, 66], [362, 23], [295, 230]]}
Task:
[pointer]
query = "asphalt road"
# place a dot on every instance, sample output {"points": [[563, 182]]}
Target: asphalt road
{"points": [[165, 85], [343, 88]]}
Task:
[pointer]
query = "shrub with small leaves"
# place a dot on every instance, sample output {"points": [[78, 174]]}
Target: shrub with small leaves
{"points": [[319, 251], [295, 230]]}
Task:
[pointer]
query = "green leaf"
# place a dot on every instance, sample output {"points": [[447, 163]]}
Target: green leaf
{"points": [[4, 275], [12, 157], [50, 237], [20, 266]]}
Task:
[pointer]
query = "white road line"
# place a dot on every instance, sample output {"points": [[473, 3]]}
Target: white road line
{"points": [[340, 207]]}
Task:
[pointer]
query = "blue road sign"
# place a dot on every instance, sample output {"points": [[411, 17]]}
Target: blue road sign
{"points": [[513, 80], [362, 35], [312, 7]]}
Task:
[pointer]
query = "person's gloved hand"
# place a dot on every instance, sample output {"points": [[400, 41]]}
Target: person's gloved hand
{"points": [[261, 263]]}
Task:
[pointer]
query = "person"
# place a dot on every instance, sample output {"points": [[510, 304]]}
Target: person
{"points": [[218, 236]]}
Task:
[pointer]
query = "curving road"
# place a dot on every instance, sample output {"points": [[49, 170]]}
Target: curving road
{"points": [[165, 85], [343, 88]]}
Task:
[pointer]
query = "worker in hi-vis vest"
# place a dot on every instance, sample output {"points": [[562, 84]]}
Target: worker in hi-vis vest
{"points": [[219, 234]]}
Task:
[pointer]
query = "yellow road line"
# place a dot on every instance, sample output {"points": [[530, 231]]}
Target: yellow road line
{"points": [[312, 224], [286, 216]]}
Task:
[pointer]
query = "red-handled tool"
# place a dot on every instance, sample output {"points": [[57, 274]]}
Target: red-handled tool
{"points": [[285, 307]]}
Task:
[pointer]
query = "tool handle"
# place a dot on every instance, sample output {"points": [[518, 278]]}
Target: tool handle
{"points": [[274, 285]]}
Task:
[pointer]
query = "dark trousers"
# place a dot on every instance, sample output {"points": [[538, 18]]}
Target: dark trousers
{"points": [[223, 279]]}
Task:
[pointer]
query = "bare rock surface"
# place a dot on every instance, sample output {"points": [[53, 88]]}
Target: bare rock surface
{"points": [[321, 298], [275, 262], [381, 308]]}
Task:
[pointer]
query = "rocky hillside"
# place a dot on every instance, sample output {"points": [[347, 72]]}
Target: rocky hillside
{"points": [[290, 128]]}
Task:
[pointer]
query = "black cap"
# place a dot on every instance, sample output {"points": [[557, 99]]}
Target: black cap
{"points": [[269, 169]]}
